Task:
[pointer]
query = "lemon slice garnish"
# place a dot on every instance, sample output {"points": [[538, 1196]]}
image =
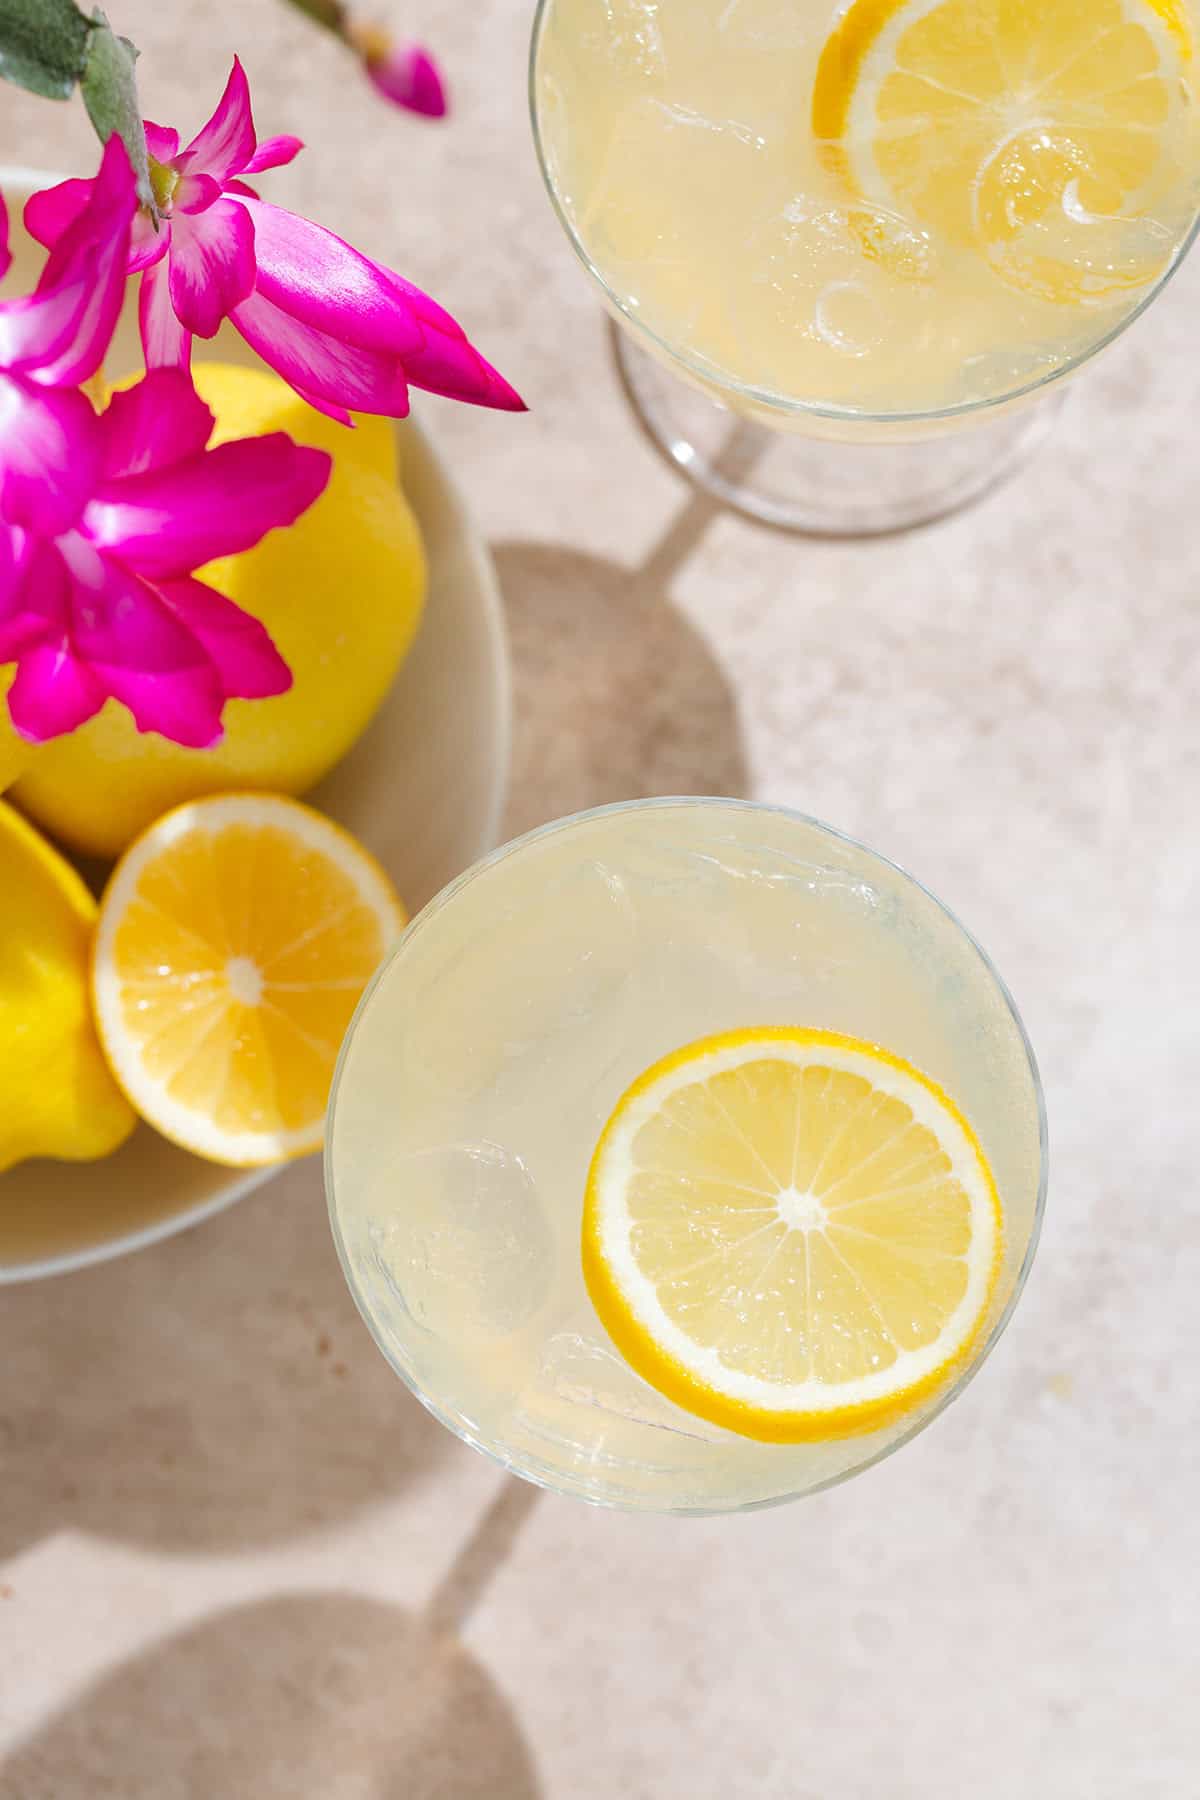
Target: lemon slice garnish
{"points": [[790, 1233]]}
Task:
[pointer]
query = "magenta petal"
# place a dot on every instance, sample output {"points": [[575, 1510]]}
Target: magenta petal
{"points": [[325, 370], [49, 454], [52, 211], [148, 242], [423, 306], [211, 265], [165, 343], [61, 333], [225, 145], [446, 361], [162, 142], [107, 215], [5, 253], [272, 153], [329, 407], [249, 665], [153, 425], [195, 194], [37, 328], [146, 658], [15, 549], [453, 367], [169, 522], [33, 593], [183, 705], [323, 282], [95, 248], [407, 75], [54, 692]]}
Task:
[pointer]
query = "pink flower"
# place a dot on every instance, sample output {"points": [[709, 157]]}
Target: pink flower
{"points": [[53, 339], [343, 331], [103, 604], [405, 74]]}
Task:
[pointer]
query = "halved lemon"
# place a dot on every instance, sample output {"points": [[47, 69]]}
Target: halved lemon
{"points": [[790, 1233], [235, 939], [984, 120]]}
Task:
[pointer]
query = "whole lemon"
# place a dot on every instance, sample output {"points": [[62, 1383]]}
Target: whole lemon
{"points": [[341, 593], [57, 1097]]}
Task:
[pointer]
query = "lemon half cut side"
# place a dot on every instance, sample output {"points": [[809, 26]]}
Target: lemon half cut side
{"points": [[235, 939]]}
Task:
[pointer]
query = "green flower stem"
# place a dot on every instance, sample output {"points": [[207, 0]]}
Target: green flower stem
{"points": [[330, 13]]}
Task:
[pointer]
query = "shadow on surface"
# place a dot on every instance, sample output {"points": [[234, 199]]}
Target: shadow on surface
{"points": [[300, 1697], [616, 694], [214, 1391], [486, 1550]]}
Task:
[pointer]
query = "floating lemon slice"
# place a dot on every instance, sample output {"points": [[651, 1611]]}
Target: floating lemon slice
{"points": [[234, 941], [991, 120], [790, 1233]]}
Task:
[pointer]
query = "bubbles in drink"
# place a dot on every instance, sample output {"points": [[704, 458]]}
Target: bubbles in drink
{"points": [[629, 36]]}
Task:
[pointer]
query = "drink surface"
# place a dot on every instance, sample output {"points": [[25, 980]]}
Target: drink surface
{"points": [[497, 1044], [895, 207]]}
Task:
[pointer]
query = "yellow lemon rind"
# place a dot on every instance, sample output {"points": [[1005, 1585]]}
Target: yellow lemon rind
{"points": [[861, 25], [112, 1120], [671, 1377], [51, 863]]}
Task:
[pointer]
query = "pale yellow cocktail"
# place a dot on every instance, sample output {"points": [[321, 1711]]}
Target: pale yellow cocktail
{"points": [[479, 1145]]}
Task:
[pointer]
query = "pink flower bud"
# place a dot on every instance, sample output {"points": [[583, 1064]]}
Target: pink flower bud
{"points": [[406, 75]]}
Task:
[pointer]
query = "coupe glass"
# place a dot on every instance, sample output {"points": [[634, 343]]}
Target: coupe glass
{"points": [[493, 1046], [726, 238]]}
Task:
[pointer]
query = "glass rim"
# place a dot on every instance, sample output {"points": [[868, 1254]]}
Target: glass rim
{"points": [[463, 1427], [711, 376]]}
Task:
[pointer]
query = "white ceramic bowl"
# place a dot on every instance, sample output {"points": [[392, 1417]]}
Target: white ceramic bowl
{"points": [[424, 789]]}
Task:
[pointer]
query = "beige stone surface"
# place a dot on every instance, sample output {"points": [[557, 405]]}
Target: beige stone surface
{"points": [[240, 1563]]}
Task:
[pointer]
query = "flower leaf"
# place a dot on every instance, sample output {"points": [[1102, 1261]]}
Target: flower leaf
{"points": [[43, 45], [109, 90]]}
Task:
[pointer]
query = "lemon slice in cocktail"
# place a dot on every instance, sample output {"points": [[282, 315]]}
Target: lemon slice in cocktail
{"points": [[790, 1233], [1036, 135]]}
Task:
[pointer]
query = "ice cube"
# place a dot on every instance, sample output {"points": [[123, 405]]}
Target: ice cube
{"points": [[631, 35], [499, 998], [585, 1410], [764, 25], [646, 234], [827, 287], [586, 1372], [460, 1237]]}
